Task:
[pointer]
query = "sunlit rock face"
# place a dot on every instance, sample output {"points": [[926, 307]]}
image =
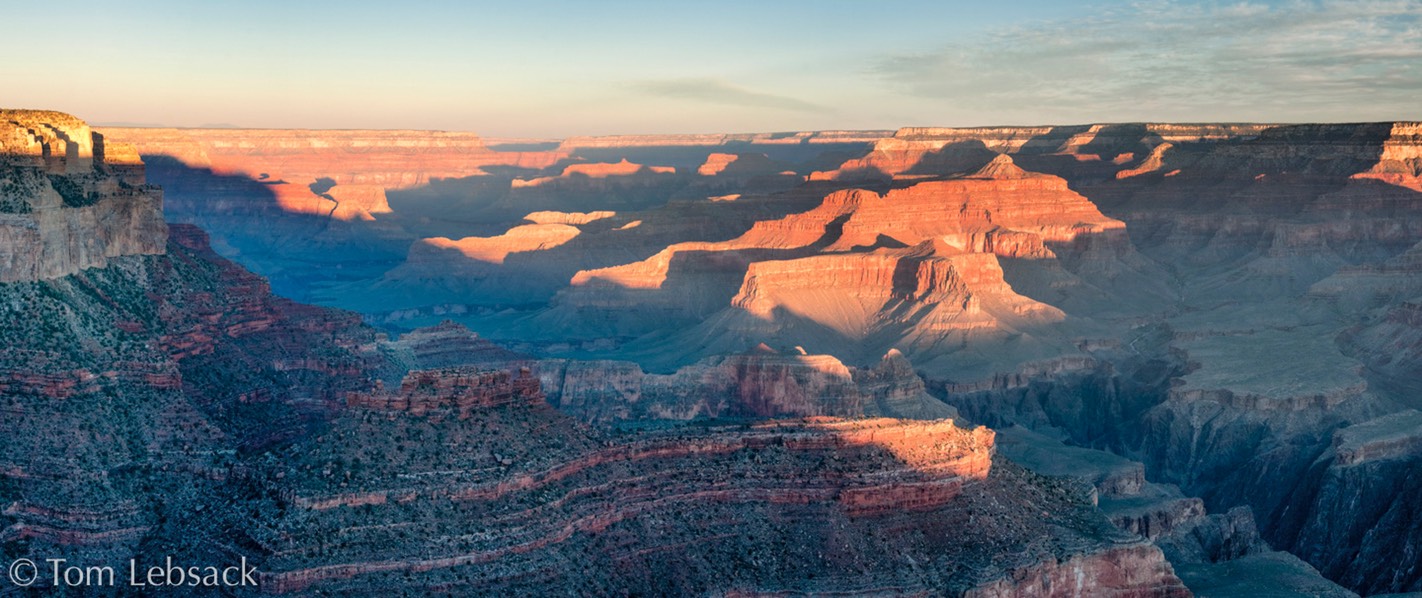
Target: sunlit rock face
{"points": [[70, 199]]}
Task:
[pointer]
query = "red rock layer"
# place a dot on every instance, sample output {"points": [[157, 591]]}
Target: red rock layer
{"points": [[458, 391], [574, 498]]}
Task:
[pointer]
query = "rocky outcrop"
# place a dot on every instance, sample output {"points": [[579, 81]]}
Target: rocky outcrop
{"points": [[493, 250], [69, 199], [445, 345], [754, 385], [931, 284], [1128, 571], [843, 268], [927, 152], [451, 392], [716, 164], [574, 218]]}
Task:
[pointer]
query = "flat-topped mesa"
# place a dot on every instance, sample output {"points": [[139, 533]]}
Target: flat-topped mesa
{"points": [[716, 164], [791, 232], [69, 200], [455, 391], [1394, 436]]}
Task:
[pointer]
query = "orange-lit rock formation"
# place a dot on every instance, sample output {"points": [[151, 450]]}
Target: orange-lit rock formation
{"points": [[358, 167], [69, 198], [528, 237]]}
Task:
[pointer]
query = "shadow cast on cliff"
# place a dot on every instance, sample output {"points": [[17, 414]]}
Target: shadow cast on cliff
{"points": [[296, 251]]}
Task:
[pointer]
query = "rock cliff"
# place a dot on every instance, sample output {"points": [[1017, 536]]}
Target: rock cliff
{"points": [[69, 199]]}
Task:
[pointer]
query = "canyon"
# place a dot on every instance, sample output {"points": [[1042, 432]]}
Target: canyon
{"points": [[1111, 359], [161, 402]]}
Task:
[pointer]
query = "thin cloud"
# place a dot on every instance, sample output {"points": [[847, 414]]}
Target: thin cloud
{"points": [[1322, 59], [713, 91]]}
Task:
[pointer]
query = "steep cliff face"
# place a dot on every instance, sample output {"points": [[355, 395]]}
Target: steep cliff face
{"points": [[136, 361], [69, 199], [128, 387], [1354, 511]]}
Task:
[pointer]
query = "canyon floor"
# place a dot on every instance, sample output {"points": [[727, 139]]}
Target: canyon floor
{"points": [[1112, 359]]}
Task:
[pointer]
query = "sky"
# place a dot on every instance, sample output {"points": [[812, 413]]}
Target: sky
{"points": [[548, 69]]}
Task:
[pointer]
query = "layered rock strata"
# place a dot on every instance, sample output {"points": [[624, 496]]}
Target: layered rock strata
{"points": [[693, 510], [758, 384], [69, 199]]}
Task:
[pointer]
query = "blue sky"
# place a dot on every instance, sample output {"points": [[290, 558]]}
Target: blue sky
{"points": [[550, 69]]}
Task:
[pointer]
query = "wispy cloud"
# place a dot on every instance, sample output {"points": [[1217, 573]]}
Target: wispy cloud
{"points": [[1321, 59], [714, 91]]}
